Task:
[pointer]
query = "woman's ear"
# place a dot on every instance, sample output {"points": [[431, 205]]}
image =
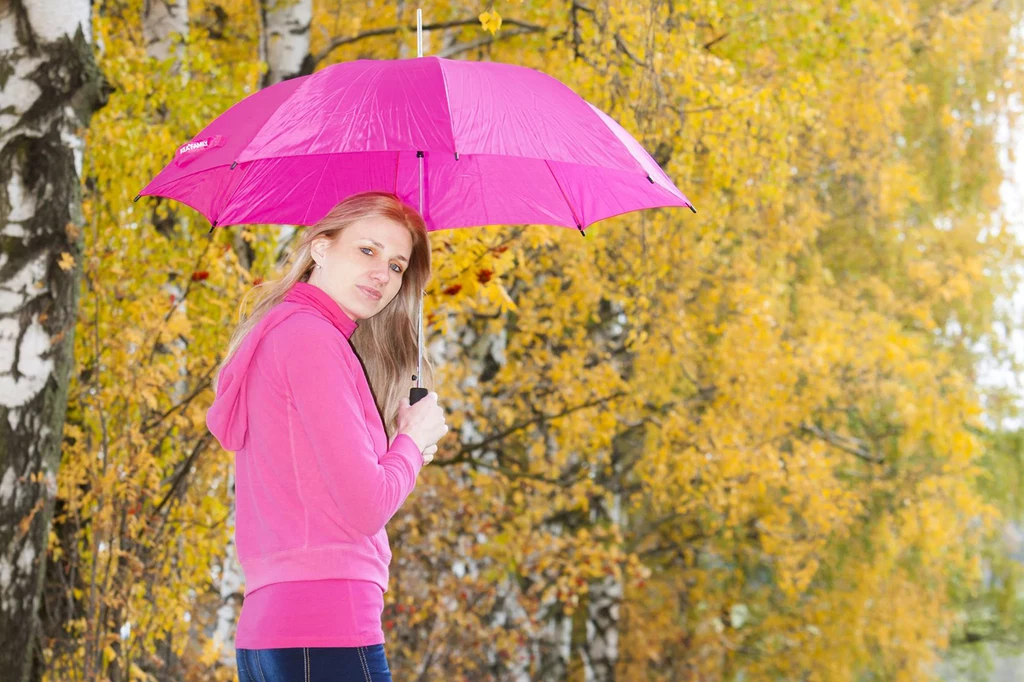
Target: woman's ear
{"points": [[317, 249]]}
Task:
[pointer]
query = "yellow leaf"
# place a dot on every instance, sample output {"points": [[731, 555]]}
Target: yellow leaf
{"points": [[491, 21], [66, 262]]}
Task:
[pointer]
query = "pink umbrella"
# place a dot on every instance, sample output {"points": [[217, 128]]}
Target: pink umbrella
{"points": [[499, 144], [469, 143]]}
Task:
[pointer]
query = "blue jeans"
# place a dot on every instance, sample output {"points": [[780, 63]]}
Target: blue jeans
{"points": [[314, 664]]}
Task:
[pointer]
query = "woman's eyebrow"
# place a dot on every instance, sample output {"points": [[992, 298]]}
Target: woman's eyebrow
{"points": [[381, 247]]}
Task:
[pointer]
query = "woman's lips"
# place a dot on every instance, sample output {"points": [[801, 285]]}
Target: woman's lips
{"points": [[370, 293]]}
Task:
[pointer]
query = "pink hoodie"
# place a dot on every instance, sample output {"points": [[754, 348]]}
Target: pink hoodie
{"points": [[315, 480]]}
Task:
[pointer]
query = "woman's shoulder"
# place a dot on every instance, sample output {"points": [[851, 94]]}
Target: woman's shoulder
{"points": [[306, 343], [305, 329]]}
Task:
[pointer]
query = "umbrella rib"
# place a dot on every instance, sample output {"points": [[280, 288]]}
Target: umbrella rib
{"points": [[568, 203], [319, 182], [398, 158], [227, 203], [448, 103]]}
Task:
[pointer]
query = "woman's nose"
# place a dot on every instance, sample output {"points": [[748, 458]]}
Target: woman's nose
{"points": [[381, 274]]}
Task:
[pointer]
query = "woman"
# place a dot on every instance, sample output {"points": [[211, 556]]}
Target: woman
{"points": [[326, 452]]}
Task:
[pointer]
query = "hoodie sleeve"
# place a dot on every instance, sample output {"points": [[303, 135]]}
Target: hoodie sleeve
{"points": [[320, 379]]}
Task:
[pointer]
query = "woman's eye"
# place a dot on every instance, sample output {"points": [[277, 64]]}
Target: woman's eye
{"points": [[369, 252]]}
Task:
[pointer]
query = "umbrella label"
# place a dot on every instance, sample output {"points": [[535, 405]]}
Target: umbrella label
{"points": [[187, 152]]}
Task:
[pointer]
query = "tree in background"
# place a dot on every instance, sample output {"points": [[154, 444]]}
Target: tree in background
{"points": [[740, 444], [49, 89], [991, 624]]}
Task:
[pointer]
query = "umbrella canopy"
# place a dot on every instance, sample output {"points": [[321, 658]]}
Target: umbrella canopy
{"points": [[498, 144]]}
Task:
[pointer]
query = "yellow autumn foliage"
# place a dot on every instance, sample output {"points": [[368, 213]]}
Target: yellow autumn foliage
{"points": [[744, 442]]}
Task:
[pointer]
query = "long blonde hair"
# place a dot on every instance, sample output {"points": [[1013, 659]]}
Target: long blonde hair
{"points": [[385, 343]]}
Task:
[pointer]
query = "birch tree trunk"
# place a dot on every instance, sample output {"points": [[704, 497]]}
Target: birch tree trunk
{"points": [[599, 650], [164, 25], [165, 28], [231, 586], [284, 41], [284, 46], [49, 88]]}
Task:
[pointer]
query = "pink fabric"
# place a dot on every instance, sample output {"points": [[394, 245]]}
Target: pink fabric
{"points": [[502, 144], [315, 478], [312, 613]]}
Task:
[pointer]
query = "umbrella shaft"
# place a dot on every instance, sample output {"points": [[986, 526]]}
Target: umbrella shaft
{"points": [[419, 32], [419, 343]]}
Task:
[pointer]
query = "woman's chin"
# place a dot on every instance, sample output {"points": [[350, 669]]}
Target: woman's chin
{"points": [[367, 310]]}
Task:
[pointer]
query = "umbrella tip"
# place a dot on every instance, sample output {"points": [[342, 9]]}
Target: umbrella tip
{"points": [[580, 228], [233, 164], [692, 208], [212, 225], [137, 197]]}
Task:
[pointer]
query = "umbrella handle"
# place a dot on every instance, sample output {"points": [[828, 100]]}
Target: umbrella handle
{"points": [[416, 394]]}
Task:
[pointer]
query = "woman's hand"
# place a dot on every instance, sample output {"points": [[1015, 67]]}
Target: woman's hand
{"points": [[423, 422], [428, 455]]}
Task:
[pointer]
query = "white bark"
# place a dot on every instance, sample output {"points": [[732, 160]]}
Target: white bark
{"points": [[231, 581], [164, 28], [553, 657], [50, 89], [284, 41], [600, 650], [52, 20], [284, 46]]}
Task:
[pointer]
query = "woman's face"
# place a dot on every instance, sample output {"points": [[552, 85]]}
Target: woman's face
{"points": [[362, 268]]}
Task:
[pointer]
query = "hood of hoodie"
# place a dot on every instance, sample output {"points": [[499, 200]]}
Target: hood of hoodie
{"points": [[227, 419]]}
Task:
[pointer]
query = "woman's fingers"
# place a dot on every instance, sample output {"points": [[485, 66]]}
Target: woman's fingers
{"points": [[428, 454]]}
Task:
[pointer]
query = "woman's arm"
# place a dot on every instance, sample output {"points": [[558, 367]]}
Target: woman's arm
{"points": [[317, 365]]}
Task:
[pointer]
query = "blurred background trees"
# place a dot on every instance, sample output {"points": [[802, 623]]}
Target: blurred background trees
{"points": [[750, 444]]}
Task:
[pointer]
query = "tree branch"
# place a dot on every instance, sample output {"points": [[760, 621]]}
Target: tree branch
{"points": [[180, 476], [711, 43], [464, 454], [459, 48], [852, 446], [391, 30], [621, 42], [199, 388]]}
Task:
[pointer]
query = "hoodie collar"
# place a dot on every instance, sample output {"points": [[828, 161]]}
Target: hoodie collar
{"points": [[311, 295]]}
